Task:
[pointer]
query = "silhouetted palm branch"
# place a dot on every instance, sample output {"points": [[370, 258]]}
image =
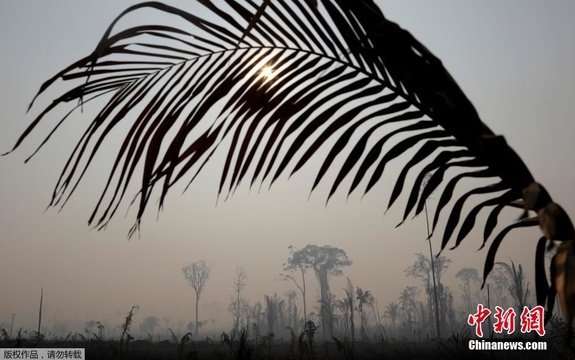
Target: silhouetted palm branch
{"points": [[273, 83]]}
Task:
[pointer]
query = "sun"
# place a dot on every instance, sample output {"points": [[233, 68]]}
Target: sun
{"points": [[267, 73]]}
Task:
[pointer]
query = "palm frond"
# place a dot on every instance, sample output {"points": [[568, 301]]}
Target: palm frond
{"points": [[273, 84]]}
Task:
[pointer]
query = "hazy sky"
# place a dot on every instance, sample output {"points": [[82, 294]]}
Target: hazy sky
{"points": [[515, 60]]}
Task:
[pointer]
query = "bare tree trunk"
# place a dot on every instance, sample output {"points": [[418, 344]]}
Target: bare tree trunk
{"points": [[238, 309], [327, 326], [437, 326], [12, 325], [196, 330], [40, 312], [303, 293]]}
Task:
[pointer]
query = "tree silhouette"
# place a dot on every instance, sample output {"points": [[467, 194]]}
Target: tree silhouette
{"points": [[325, 261], [407, 302], [500, 285], [292, 310], [238, 302], [349, 304], [519, 287], [197, 274], [342, 320], [250, 84], [256, 315], [363, 298], [275, 306], [292, 266], [468, 276], [430, 271], [392, 312]]}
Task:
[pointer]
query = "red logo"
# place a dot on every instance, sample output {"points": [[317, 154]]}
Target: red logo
{"points": [[531, 320]]}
